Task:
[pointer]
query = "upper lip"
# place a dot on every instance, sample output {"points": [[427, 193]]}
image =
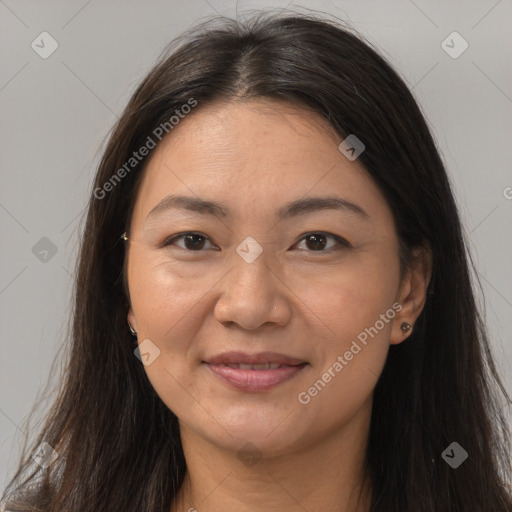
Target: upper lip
{"points": [[260, 358]]}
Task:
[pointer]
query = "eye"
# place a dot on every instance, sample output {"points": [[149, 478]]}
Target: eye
{"points": [[317, 242], [192, 241]]}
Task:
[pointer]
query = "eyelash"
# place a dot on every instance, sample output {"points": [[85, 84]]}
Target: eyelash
{"points": [[340, 241]]}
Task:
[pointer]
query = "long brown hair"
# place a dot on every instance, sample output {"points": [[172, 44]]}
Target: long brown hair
{"points": [[119, 446]]}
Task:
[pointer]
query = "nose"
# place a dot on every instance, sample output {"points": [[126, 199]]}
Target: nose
{"points": [[252, 295]]}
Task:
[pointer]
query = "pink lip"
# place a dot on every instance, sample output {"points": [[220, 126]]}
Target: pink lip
{"points": [[255, 380]]}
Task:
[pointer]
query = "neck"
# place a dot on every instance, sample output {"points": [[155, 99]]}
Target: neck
{"points": [[326, 475]]}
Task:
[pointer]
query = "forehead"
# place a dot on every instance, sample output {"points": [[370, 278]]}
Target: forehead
{"points": [[254, 156], [250, 133]]}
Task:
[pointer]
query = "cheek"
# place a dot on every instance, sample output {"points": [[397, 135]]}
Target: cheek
{"points": [[163, 294], [349, 360], [164, 301], [349, 298], [355, 312]]}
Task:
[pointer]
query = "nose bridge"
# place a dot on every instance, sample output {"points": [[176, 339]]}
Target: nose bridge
{"points": [[252, 271], [251, 294]]}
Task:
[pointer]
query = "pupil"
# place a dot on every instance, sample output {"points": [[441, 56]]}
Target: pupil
{"points": [[189, 238], [316, 237]]}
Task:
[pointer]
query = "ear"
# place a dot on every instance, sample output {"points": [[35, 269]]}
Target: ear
{"points": [[412, 294], [131, 319]]}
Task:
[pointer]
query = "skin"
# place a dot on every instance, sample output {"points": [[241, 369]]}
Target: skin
{"points": [[254, 157]]}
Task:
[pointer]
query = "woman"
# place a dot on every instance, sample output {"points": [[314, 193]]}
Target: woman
{"points": [[274, 308]]}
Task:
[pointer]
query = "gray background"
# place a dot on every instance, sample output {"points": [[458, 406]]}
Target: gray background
{"points": [[57, 111]]}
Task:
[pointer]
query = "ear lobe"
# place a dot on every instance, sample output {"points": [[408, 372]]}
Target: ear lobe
{"points": [[413, 293]]}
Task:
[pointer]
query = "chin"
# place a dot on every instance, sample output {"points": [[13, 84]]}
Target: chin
{"points": [[259, 443], [271, 433]]}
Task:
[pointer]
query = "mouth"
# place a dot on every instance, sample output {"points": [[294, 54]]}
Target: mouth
{"points": [[257, 372], [263, 366]]}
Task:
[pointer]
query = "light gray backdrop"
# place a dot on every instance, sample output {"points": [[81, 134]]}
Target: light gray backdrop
{"points": [[56, 109]]}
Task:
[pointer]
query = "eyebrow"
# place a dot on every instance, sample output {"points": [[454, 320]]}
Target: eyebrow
{"points": [[295, 208]]}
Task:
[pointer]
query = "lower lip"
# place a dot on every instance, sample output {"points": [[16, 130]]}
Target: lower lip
{"points": [[255, 380]]}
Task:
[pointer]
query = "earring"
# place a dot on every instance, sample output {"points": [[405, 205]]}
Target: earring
{"points": [[132, 330], [124, 237], [405, 326]]}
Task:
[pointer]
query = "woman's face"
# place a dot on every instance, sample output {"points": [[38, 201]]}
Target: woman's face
{"points": [[250, 281]]}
